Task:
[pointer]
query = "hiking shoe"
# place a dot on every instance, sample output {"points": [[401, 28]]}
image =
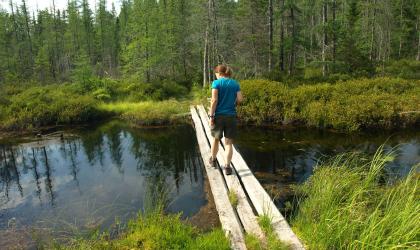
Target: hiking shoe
{"points": [[228, 170], [212, 162]]}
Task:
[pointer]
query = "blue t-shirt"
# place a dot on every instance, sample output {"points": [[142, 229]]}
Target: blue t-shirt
{"points": [[227, 90]]}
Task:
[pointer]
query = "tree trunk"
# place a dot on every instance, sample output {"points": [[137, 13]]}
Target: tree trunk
{"points": [[372, 35], [270, 35], [293, 47], [324, 38], [401, 26], [216, 54], [147, 53], [281, 54], [418, 42], [334, 45], [205, 59], [28, 32], [56, 40]]}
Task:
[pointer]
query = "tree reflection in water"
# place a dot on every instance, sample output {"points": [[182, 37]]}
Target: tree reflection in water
{"points": [[282, 158], [100, 174]]}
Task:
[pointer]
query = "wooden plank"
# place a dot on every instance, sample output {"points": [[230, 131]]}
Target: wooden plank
{"points": [[227, 216], [244, 209], [262, 202]]}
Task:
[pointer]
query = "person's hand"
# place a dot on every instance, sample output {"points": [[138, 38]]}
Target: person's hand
{"points": [[211, 121]]}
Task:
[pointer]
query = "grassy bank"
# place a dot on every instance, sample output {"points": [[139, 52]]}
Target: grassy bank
{"points": [[347, 205], [27, 106], [149, 112], [346, 105], [154, 231]]}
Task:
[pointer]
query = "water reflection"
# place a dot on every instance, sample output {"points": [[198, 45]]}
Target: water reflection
{"points": [[281, 158], [98, 175]]}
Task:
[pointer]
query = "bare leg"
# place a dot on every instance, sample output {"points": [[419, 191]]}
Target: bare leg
{"points": [[214, 148], [229, 150]]}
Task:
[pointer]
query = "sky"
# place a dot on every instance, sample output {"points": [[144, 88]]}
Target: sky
{"points": [[59, 4]]}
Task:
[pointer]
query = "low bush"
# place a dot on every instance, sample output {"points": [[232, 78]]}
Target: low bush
{"points": [[346, 105], [47, 105], [409, 69]]}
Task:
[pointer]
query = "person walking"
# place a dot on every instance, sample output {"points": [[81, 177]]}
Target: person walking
{"points": [[225, 96]]}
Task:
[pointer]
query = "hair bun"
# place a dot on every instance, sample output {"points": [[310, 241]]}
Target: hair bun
{"points": [[223, 69]]}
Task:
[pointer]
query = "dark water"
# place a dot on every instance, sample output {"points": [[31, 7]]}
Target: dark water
{"points": [[282, 158], [97, 175]]}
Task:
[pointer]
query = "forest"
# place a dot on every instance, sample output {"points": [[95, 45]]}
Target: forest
{"points": [[332, 69], [125, 63], [180, 40]]}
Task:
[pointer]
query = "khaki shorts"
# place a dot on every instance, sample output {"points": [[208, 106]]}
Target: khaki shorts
{"points": [[224, 125]]}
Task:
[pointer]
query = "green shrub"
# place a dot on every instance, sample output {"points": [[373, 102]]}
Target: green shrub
{"points": [[48, 105], [156, 91], [346, 105], [409, 69]]}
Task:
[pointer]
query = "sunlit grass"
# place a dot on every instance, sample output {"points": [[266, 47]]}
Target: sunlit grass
{"points": [[148, 112], [347, 205], [154, 230], [233, 198], [272, 241]]}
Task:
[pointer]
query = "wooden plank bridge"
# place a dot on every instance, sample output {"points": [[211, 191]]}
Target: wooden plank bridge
{"points": [[253, 200]]}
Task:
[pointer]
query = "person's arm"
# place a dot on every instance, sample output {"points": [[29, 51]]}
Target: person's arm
{"points": [[213, 104], [239, 97]]}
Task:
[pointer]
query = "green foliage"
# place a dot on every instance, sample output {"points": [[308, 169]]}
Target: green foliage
{"points": [[233, 198], [272, 241], [407, 69], [346, 105], [265, 223], [149, 112], [253, 243], [29, 105], [346, 205], [157, 231], [47, 105]]}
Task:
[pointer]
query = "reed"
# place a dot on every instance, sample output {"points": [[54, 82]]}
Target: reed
{"points": [[348, 204]]}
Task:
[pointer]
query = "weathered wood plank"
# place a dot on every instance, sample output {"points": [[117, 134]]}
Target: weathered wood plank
{"points": [[227, 216], [244, 209], [262, 202]]}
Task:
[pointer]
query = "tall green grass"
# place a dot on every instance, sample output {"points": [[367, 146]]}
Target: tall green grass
{"points": [[271, 242], [154, 230], [346, 204]]}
